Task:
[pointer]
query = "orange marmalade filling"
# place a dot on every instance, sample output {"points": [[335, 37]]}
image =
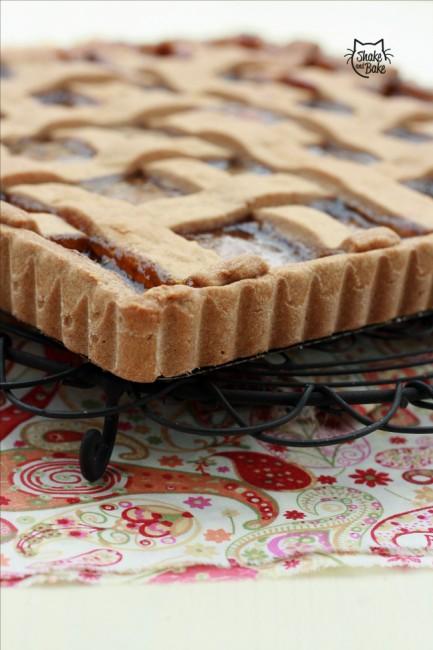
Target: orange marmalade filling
{"points": [[139, 273]]}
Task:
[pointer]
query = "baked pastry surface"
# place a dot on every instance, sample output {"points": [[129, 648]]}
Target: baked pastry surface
{"points": [[172, 207]]}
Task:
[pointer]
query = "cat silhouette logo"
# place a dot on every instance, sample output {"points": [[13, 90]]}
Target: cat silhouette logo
{"points": [[368, 58]]}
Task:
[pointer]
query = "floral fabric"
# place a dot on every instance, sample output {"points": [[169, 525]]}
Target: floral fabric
{"points": [[174, 507]]}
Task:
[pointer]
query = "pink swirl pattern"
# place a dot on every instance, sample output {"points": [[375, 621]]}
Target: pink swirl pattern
{"points": [[173, 508], [62, 477]]}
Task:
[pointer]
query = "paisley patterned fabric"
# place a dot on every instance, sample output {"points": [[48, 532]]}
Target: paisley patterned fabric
{"points": [[178, 508]]}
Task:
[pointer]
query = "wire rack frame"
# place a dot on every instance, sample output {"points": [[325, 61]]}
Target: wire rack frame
{"points": [[275, 380]]}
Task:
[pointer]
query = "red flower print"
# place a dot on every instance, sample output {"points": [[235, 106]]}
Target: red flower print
{"points": [[73, 500], [267, 472], [19, 443], [326, 480], [294, 514], [370, 477], [78, 533], [170, 461], [65, 522], [4, 501], [89, 575], [397, 440], [124, 426], [276, 448], [378, 550], [218, 535], [292, 563], [405, 560], [198, 502]]}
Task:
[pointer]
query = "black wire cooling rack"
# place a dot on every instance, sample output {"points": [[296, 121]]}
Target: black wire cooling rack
{"points": [[327, 374]]}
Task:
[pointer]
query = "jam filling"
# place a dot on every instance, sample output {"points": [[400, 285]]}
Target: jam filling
{"points": [[145, 274], [356, 215], [56, 149], [139, 274], [327, 105], [151, 82], [332, 149], [5, 71], [81, 54], [139, 130], [398, 88], [253, 238], [26, 203], [341, 211], [248, 112], [181, 49], [405, 134], [296, 82], [248, 41], [251, 73], [239, 165], [234, 75], [64, 97], [135, 188], [78, 242], [423, 185]]}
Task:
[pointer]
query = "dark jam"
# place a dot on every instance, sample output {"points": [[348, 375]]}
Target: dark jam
{"points": [[398, 88], [247, 112], [85, 53], [327, 105], [239, 165], [344, 213], [248, 41], [64, 97], [5, 71], [26, 203], [412, 136], [177, 49], [332, 149], [253, 238], [138, 273], [142, 272], [47, 149], [356, 215], [423, 185], [134, 188]]}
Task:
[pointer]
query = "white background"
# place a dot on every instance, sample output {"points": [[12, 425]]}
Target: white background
{"points": [[375, 610], [405, 26]]}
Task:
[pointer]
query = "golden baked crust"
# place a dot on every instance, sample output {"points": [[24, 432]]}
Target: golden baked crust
{"points": [[177, 206]]}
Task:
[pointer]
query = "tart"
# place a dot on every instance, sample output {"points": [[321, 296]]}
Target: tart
{"points": [[176, 206]]}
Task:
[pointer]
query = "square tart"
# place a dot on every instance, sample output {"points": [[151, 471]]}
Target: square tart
{"points": [[182, 205]]}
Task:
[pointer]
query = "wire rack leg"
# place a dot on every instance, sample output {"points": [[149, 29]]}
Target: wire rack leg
{"points": [[96, 447]]}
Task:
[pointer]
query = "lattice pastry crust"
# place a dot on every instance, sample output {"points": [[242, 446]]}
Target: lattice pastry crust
{"points": [[172, 207]]}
